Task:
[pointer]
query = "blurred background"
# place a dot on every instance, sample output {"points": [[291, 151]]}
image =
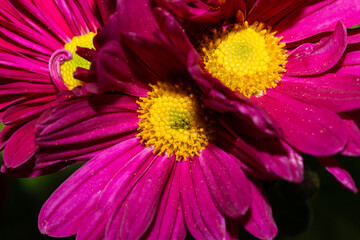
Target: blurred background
{"points": [[317, 209]]}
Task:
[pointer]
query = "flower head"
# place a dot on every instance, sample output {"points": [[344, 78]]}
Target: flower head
{"points": [[46, 49], [175, 162], [299, 64]]}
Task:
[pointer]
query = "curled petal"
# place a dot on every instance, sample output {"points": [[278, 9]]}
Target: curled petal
{"points": [[310, 59], [57, 58]]}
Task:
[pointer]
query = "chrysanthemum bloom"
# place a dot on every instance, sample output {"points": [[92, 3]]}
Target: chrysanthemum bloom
{"points": [[178, 164], [176, 168], [296, 60], [45, 48]]}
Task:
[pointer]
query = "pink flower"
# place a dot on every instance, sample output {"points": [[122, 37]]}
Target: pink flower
{"points": [[166, 161], [37, 39], [298, 62]]}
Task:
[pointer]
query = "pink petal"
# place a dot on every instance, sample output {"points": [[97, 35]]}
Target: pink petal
{"points": [[21, 145], [311, 129], [339, 172], [226, 181], [169, 220], [309, 59], [352, 148], [336, 92], [202, 218], [313, 18], [28, 109], [264, 157], [138, 210], [130, 169], [64, 211], [259, 220]]}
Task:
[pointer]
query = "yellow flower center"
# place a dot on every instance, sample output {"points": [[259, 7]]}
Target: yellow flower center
{"points": [[69, 67], [248, 59], [173, 121]]}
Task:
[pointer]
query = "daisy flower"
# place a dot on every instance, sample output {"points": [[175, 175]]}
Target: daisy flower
{"points": [[297, 61], [173, 164], [46, 48]]}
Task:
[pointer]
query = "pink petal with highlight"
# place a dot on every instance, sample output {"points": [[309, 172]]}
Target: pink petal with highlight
{"points": [[339, 172], [310, 59]]}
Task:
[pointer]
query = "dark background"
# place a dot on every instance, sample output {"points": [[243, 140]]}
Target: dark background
{"points": [[318, 209]]}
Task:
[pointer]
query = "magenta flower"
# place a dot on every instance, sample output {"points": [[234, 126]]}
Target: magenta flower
{"points": [[171, 163], [38, 39], [296, 61], [170, 173]]}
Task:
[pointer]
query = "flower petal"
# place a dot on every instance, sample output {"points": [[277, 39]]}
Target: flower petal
{"points": [[352, 121], [116, 75], [259, 220], [138, 210], [222, 99], [202, 218], [337, 92], [130, 170], [309, 59], [169, 220], [264, 157], [310, 129], [304, 21], [28, 109], [226, 181], [339, 172], [21, 145], [93, 125], [64, 211]]}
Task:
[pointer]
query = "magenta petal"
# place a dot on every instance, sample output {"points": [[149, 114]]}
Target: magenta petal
{"points": [[173, 31], [205, 11], [138, 210], [267, 158], [64, 211], [169, 220], [352, 148], [28, 109], [114, 73], [310, 129], [5, 135], [202, 218], [21, 146], [264, 10], [339, 172], [350, 63], [106, 8], [139, 21], [226, 181], [259, 220], [309, 59], [130, 169], [222, 99], [315, 17], [336, 92]]}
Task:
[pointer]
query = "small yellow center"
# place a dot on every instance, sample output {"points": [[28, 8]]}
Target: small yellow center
{"points": [[69, 67], [173, 121], [248, 59]]}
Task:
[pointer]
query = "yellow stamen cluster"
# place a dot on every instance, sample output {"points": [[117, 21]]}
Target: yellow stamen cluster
{"points": [[248, 59], [173, 121], [69, 67]]}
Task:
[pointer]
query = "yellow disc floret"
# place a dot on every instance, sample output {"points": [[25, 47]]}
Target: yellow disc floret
{"points": [[248, 59], [173, 121], [69, 67]]}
